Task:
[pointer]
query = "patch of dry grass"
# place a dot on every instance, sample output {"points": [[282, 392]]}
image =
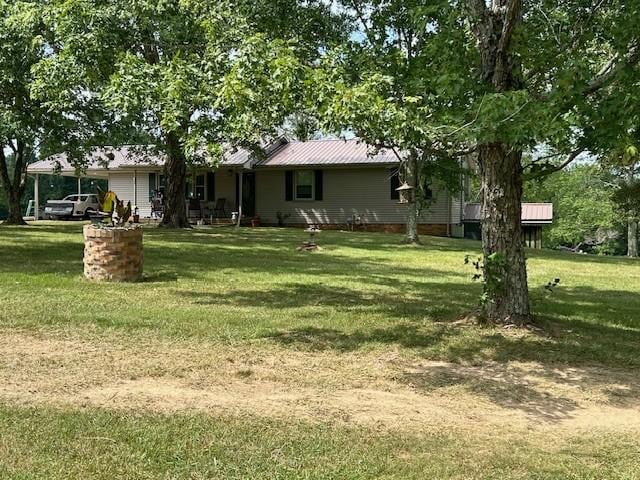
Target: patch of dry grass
{"points": [[371, 389]]}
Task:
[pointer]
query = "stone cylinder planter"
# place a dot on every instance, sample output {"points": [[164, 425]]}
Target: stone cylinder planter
{"points": [[113, 254]]}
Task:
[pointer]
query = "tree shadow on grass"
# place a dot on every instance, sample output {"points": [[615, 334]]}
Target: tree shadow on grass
{"points": [[582, 324], [43, 257], [376, 294], [543, 391], [508, 387], [328, 239], [160, 277], [572, 356], [193, 255], [319, 339], [569, 340]]}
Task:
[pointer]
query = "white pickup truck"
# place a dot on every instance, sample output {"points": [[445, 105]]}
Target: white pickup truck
{"points": [[72, 206]]}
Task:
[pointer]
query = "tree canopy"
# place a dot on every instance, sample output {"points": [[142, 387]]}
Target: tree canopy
{"points": [[169, 70], [501, 77], [585, 216]]}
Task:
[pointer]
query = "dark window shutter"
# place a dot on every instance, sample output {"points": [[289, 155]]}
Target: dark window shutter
{"points": [[211, 186], [237, 192], [395, 183], [288, 185], [152, 185], [318, 184]]}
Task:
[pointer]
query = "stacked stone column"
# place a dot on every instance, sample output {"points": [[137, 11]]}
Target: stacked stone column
{"points": [[113, 254]]}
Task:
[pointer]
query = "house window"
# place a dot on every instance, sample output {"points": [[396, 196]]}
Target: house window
{"points": [[394, 183], [304, 184], [427, 192], [200, 189]]}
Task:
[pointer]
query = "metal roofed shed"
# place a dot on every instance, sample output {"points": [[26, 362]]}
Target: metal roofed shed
{"points": [[534, 217]]}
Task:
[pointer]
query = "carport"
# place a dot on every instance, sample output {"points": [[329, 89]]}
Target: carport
{"points": [[60, 166]]}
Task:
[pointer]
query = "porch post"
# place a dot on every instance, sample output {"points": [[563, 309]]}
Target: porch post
{"points": [[239, 198], [135, 187], [36, 194], [79, 186]]}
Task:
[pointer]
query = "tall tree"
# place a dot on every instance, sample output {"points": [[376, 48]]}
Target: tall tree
{"points": [[376, 87], [624, 163], [584, 213], [527, 73], [539, 61], [23, 121], [38, 116], [613, 132], [166, 67]]}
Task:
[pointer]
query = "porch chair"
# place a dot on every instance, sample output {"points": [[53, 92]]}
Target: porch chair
{"points": [[194, 209], [220, 210], [157, 209]]}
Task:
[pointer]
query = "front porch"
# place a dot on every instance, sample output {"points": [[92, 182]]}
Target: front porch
{"points": [[213, 196]]}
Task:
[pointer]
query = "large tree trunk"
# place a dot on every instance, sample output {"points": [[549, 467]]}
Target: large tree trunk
{"points": [[14, 188], [632, 238], [175, 170], [632, 222], [411, 235], [15, 210], [506, 295], [410, 176]]}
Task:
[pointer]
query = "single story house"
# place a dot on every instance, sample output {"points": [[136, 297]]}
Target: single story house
{"points": [[328, 182]]}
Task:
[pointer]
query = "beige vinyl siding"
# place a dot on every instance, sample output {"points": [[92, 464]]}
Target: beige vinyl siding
{"points": [[226, 187], [142, 195], [346, 192], [456, 209], [123, 186]]}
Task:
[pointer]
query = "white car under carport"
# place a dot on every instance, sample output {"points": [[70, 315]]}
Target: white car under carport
{"points": [[72, 206]]}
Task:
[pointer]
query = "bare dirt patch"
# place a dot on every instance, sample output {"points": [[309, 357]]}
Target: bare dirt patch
{"points": [[375, 389]]}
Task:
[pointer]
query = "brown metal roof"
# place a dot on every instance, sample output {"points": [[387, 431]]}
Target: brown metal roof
{"points": [[532, 213], [110, 158], [103, 158], [327, 152]]}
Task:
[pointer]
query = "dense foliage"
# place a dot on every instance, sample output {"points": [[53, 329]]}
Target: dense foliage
{"points": [[585, 215], [172, 70], [494, 77]]}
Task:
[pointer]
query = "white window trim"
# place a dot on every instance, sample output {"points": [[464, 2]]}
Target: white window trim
{"points": [[295, 186]]}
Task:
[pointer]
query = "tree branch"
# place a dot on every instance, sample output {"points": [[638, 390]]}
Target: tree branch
{"points": [[360, 14], [511, 19], [12, 147], [545, 171], [612, 68]]}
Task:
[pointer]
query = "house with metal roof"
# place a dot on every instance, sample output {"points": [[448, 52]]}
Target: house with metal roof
{"points": [[332, 183]]}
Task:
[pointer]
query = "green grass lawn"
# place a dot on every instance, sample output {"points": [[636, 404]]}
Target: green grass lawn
{"points": [[362, 291], [362, 298]]}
